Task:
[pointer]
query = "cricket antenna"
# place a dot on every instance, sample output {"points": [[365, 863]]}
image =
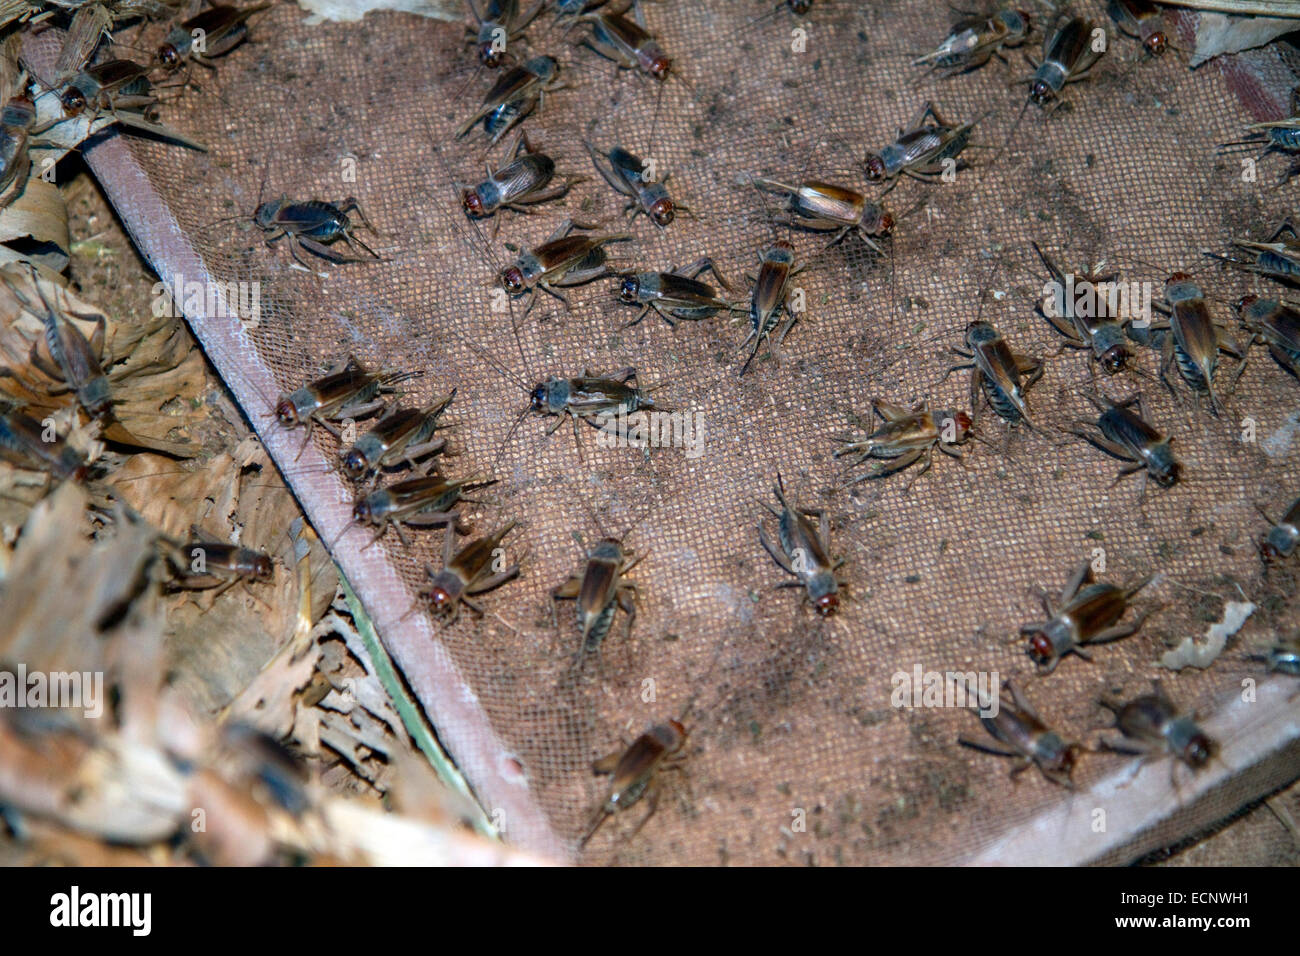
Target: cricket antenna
{"points": [[771, 14], [702, 682], [1005, 143], [1057, 275], [771, 224], [510, 377], [510, 434], [979, 312], [659, 102], [492, 261], [601, 816], [339, 537], [492, 361], [1159, 270], [1138, 60]]}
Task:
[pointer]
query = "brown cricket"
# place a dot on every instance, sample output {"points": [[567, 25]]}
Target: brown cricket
{"points": [[1077, 310], [1196, 339], [804, 552], [1090, 613], [975, 40], [515, 94], [563, 260], [1129, 437], [1277, 325], [423, 501], [1152, 724], [771, 293], [402, 435], [629, 175], [995, 367], [825, 207], [201, 564], [906, 437], [633, 770], [627, 43], [477, 567], [924, 150], [349, 391], [600, 590], [1022, 735], [35, 445]]}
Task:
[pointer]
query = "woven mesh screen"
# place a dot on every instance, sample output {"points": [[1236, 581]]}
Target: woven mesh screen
{"points": [[787, 712]]}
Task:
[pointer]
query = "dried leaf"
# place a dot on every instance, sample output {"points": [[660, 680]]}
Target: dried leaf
{"points": [[349, 11], [55, 557], [159, 367], [1269, 8], [1217, 34], [37, 216], [89, 25], [366, 835], [217, 652]]}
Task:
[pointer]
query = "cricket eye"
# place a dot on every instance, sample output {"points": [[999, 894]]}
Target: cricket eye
{"points": [[628, 291], [1040, 649], [1197, 751], [826, 604], [1114, 358], [662, 212], [538, 398], [73, 102], [354, 464], [286, 413], [875, 168], [1065, 763]]}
